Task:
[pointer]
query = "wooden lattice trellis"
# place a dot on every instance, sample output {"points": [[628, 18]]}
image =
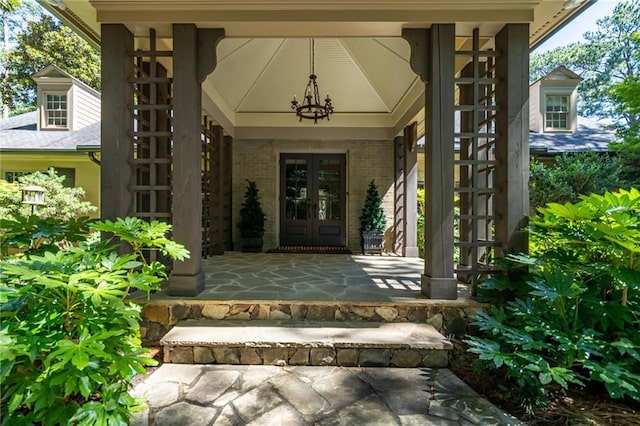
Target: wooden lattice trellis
{"points": [[209, 236], [152, 140], [216, 190], [477, 137], [151, 134]]}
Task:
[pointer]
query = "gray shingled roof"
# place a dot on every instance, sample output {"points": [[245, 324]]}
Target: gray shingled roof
{"points": [[591, 136], [20, 133]]}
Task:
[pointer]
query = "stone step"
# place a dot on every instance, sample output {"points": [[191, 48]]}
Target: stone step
{"points": [[447, 316], [288, 342]]}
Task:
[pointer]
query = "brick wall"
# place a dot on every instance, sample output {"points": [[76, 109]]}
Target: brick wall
{"points": [[259, 160]]}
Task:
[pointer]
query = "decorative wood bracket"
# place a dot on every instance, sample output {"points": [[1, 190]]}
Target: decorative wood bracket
{"points": [[418, 39], [411, 136], [208, 39]]}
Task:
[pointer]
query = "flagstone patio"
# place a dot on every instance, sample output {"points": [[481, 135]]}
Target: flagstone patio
{"points": [[312, 277]]}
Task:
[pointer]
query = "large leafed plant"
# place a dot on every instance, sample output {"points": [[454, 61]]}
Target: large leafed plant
{"points": [[569, 313], [70, 339]]}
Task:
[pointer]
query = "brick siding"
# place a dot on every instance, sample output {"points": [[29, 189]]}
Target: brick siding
{"points": [[258, 160]]}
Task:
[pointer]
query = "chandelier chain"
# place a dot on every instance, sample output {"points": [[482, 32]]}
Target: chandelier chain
{"points": [[313, 56]]}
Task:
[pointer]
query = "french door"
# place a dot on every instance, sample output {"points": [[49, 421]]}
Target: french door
{"points": [[312, 199]]}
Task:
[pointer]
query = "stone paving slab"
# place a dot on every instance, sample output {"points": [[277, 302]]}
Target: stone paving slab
{"points": [[286, 333], [288, 342], [269, 395]]}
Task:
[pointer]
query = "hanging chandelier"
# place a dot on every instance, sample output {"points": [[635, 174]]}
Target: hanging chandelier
{"points": [[311, 108]]}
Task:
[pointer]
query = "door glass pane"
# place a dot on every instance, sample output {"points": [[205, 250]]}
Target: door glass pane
{"points": [[296, 189], [329, 189]]}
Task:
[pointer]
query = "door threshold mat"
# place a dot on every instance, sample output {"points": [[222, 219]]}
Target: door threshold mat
{"points": [[311, 249]]}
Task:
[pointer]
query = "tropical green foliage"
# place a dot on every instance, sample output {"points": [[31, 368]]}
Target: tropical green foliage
{"points": [[372, 217], [37, 235], [69, 339], [60, 201], [252, 217], [40, 44], [571, 175], [572, 313]]}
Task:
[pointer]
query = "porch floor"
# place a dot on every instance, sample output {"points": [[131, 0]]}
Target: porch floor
{"points": [[312, 277]]}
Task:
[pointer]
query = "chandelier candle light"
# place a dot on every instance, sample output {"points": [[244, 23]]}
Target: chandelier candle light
{"points": [[311, 108]]}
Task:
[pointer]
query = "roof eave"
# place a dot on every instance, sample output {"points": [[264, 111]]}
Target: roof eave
{"points": [[573, 15]]}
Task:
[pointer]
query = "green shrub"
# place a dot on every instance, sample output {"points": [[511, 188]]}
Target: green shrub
{"points": [[70, 340], [571, 175], [569, 312], [372, 217], [60, 201], [252, 216], [628, 155]]}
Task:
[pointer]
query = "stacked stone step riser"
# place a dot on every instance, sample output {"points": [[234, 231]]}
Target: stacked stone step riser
{"points": [[447, 318], [314, 356]]}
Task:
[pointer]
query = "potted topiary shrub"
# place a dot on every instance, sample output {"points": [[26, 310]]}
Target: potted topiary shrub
{"points": [[372, 221], [252, 219]]}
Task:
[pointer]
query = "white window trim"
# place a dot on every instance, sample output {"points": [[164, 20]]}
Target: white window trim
{"points": [[568, 127], [45, 110]]}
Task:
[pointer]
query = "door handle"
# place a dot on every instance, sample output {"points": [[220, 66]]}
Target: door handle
{"points": [[308, 208]]}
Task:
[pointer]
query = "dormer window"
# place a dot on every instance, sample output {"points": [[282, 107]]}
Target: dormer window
{"points": [[557, 112], [55, 111]]}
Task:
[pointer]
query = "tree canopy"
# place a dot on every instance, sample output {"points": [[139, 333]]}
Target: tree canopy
{"points": [[610, 55], [626, 95], [38, 44]]}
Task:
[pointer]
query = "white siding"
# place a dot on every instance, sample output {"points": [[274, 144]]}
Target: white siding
{"points": [[85, 107], [535, 108]]}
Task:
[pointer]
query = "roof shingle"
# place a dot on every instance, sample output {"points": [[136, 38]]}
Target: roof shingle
{"points": [[19, 133]]}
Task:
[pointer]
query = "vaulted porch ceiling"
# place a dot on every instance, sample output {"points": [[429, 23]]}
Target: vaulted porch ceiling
{"points": [[369, 79]]}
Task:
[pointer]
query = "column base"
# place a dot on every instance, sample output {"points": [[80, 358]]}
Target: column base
{"points": [[410, 251], [186, 285], [439, 288]]}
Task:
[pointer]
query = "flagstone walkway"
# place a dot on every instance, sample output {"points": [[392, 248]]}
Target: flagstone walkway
{"points": [[180, 394]]}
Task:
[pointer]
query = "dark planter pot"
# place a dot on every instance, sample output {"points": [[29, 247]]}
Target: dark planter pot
{"points": [[372, 242], [251, 242]]}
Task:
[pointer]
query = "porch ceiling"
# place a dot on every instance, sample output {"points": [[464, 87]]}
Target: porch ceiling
{"points": [[368, 79], [361, 61]]}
